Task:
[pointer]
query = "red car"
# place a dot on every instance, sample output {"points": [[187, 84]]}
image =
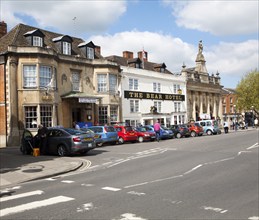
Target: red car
{"points": [[144, 135], [126, 133], [195, 129]]}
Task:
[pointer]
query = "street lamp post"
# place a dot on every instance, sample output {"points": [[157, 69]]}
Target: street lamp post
{"points": [[235, 122]]}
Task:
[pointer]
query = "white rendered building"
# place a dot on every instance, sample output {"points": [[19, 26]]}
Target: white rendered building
{"points": [[150, 92]]}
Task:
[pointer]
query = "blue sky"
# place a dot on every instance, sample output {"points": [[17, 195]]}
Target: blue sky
{"points": [[168, 30]]}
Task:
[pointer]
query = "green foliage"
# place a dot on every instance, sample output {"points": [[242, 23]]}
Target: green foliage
{"points": [[248, 91]]}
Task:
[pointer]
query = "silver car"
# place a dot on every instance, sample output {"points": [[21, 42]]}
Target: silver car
{"points": [[62, 141]]}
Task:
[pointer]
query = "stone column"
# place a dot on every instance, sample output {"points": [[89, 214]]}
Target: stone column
{"points": [[194, 106], [208, 104], [201, 103], [215, 112], [220, 114]]}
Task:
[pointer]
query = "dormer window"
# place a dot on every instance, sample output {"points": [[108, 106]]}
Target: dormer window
{"points": [[90, 53], [135, 62], [35, 38], [87, 49], [160, 67], [37, 41], [64, 43], [66, 46]]}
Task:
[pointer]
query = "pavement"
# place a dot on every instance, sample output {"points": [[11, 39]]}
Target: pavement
{"points": [[16, 168]]}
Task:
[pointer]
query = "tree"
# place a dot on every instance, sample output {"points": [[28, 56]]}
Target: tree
{"points": [[248, 91]]}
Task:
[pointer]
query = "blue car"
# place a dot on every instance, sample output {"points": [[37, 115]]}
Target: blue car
{"points": [[104, 134], [165, 133]]}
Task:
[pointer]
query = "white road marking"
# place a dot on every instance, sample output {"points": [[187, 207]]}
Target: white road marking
{"points": [[67, 181], [85, 207], [136, 193], [130, 216], [214, 209], [193, 169], [111, 189], [254, 218], [34, 205], [37, 192], [51, 179], [253, 146]]}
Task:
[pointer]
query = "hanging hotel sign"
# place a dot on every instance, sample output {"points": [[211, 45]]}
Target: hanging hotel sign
{"points": [[87, 100], [151, 95]]}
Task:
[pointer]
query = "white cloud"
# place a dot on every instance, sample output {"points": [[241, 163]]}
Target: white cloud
{"points": [[217, 17], [230, 59], [91, 16]]}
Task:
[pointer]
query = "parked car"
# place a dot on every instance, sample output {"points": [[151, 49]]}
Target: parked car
{"points": [[61, 141], [165, 133], [104, 134], [144, 135], [195, 129], [180, 130], [126, 133], [210, 126]]}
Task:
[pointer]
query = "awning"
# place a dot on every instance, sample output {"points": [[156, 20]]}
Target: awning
{"points": [[82, 97]]}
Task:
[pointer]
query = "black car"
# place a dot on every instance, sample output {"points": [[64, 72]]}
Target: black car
{"points": [[60, 141], [180, 130]]}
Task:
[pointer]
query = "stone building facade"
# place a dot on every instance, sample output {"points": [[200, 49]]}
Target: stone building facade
{"points": [[203, 90], [53, 79]]}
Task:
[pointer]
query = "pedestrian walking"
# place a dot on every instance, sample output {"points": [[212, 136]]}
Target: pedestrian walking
{"points": [[256, 122], [225, 125], [157, 128], [42, 134], [76, 126]]}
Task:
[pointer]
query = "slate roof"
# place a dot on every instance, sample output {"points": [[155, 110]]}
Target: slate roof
{"points": [[15, 37], [147, 65]]}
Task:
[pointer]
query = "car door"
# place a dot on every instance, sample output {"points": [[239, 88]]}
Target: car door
{"points": [[27, 142]]}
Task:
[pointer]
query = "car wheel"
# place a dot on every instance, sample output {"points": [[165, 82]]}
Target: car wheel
{"points": [[100, 144], [193, 134], [140, 139], [121, 141], [209, 132], [62, 151], [178, 135]]}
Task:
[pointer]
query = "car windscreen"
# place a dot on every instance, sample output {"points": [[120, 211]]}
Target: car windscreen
{"points": [[141, 129], [110, 129], [128, 128], [197, 124]]}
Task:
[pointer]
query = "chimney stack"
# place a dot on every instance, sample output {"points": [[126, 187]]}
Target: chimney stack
{"points": [[142, 55], [3, 29], [97, 49], [127, 54]]}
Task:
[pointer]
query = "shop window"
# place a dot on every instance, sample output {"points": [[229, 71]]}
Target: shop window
{"points": [[103, 115], [46, 115], [114, 113], [30, 115]]}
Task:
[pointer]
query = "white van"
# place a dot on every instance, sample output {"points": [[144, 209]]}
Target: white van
{"points": [[210, 126]]}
